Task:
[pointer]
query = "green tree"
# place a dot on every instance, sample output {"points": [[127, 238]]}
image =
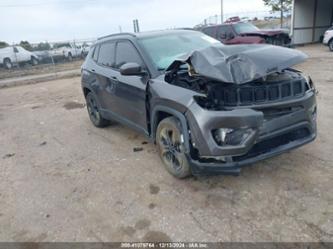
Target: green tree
{"points": [[26, 45], [3, 44], [43, 46], [279, 5]]}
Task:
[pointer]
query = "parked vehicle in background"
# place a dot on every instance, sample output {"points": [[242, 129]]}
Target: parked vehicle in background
{"points": [[66, 51], [44, 56], [209, 108], [15, 55], [246, 33], [328, 38], [233, 19], [85, 49]]}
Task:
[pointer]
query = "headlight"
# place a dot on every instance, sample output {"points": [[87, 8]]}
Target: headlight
{"points": [[231, 137]]}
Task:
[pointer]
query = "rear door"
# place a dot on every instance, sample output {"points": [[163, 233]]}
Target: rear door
{"points": [[23, 55], [130, 91], [104, 56], [16, 55]]}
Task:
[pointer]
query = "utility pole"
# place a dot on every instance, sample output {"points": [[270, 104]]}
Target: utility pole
{"points": [[136, 25], [281, 16], [221, 11]]}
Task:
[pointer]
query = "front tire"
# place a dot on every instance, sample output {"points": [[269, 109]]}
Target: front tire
{"points": [[171, 148], [7, 63], [94, 112], [330, 45]]}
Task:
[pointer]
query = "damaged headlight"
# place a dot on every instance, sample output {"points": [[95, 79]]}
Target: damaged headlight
{"points": [[231, 137]]}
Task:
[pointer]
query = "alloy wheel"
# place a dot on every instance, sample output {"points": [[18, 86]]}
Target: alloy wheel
{"points": [[171, 148]]}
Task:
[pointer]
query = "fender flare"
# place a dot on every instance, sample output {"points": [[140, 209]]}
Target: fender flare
{"points": [[330, 40], [180, 116]]}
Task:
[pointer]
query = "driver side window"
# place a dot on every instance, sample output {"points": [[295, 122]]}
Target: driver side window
{"points": [[224, 32], [126, 52]]}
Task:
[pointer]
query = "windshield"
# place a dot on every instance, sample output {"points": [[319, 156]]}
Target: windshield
{"points": [[165, 49], [245, 28]]}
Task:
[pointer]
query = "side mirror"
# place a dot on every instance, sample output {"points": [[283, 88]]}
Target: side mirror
{"points": [[131, 69]]}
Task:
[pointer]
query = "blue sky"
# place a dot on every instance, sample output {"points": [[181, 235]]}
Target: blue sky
{"points": [[55, 20]]}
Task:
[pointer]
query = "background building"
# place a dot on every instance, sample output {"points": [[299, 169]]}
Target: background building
{"points": [[310, 20]]}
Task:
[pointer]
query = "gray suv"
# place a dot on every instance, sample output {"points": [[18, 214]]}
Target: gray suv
{"points": [[209, 108]]}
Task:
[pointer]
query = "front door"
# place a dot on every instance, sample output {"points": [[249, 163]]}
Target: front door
{"points": [[130, 91]]}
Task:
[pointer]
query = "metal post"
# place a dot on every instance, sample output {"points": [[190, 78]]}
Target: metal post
{"points": [[134, 26], [221, 11], [281, 17]]}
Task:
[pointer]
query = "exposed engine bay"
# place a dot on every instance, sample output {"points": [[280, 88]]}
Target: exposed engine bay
{"points": [[216, 95], [231, 76]]}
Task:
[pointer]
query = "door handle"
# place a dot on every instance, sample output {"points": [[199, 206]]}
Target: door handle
{"points": [[114, 78], [93, 70]]}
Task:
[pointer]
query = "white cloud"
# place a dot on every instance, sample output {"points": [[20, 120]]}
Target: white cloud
{"points": [[68, 19]]}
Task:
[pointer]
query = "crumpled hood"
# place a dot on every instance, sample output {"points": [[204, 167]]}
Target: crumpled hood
{"points": [[240, 63]]}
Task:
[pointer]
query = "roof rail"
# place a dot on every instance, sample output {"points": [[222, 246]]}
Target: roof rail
{"points": [[118, 34]]}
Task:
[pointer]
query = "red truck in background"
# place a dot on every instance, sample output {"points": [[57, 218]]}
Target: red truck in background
{"points": [[246, 33]]}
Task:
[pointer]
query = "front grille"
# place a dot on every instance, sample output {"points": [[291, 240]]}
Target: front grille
{"points": [[267, 145], [256, 93]]}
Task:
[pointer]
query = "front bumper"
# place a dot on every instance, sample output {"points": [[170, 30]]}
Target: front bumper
{"points": [[272, 136]]}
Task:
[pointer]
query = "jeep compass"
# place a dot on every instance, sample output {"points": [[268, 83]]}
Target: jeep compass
{"points": [[209, 108]]}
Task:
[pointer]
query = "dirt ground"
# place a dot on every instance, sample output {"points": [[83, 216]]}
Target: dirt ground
{"points": [[27, 69], [61, 179]]}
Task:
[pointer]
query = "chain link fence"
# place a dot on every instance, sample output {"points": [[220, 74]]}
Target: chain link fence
{"points": [[262, 19], [45, 58]]}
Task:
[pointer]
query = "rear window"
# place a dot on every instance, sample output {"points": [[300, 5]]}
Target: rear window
{"points": [[106, 54], [95, 55], [210, 31]]}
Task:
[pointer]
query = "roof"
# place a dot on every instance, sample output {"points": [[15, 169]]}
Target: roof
{"points": [[219, 25], [146, 34]]}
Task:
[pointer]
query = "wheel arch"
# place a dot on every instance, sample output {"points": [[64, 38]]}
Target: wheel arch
{"points": [[330, 40], [86, 90], [161, 112], [6, 58]]}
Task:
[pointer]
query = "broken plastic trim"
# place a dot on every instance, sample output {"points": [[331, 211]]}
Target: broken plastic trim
{"points": [[239, 63]]}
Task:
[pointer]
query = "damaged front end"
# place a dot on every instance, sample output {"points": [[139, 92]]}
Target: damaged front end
{"points": [[248, 105]]}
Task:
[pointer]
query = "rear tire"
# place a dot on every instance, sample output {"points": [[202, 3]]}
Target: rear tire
{"points": [[330, 45], [94, 112], [171, 148], [7, 63]]}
